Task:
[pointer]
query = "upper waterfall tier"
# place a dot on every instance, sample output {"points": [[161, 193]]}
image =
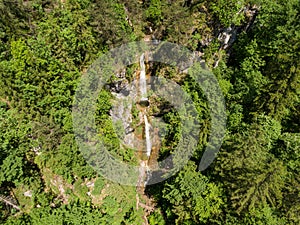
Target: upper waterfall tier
{"points": [[143, 87]]}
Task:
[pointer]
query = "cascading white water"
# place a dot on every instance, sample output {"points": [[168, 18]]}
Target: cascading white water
{"points": [[143, 91], [143, 87], [147, 134]]}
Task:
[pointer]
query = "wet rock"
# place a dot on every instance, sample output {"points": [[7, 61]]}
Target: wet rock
{"points": [[144, 102], [28, 193], [90, 184]]}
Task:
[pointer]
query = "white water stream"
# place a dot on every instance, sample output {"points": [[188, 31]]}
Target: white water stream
{"points": [[143, 91], [143, 87], [147, 134]]}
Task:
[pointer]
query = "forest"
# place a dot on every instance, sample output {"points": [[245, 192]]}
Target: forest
{"points": [[50, 175]]}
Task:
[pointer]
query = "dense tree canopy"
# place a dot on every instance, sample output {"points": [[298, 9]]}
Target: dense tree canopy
{"points": [[251, 46]]}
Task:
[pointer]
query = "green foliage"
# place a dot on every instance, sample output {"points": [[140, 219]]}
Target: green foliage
{"points": [[264, 215], [156, 218], [288, 151], [249, 171], [67, 160], [81, 189], [13, 23], [110, 206], [228, 12], [98, 186], [108, 20], [75, 214], [154, 11], [46, 45], [69, 35], [269, 57], [14, 144], [260, 215], [192, 196]]}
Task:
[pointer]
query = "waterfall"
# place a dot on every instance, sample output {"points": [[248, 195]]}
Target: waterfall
{"points": [[143, 87], [143, 92], [147, 134], [148, 176]]}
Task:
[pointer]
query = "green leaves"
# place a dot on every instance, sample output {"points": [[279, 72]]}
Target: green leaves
{"points": [[46, 45], [14, 145], [288, 150], [251, 174], [267, 76], [109, 22], [12, 169], [154, 11], [66, 160], [192, 197], [75, 214], [228, 12]]}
